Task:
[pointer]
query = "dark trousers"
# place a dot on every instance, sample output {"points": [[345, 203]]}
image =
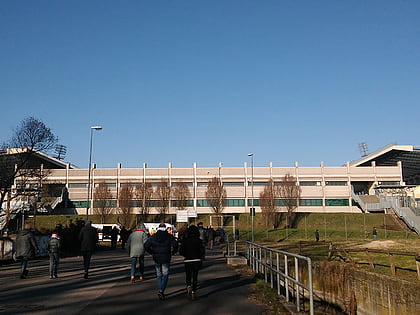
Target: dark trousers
{"points": [[191, 273], [23, 266], [54, 259], [87, 255]]}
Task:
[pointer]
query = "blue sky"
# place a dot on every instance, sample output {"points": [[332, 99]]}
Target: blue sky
{"points": [[210, 81]]}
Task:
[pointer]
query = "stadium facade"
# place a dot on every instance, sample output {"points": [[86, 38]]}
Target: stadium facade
{"points": [[346, 189]]}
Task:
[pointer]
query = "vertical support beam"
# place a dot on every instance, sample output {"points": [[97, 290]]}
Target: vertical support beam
{"points": [[296, 285]]}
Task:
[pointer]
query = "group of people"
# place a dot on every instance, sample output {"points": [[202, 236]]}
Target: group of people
{"points": [[161, 245]]}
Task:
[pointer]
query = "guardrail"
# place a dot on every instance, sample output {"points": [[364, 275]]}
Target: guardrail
{"points": [[281, 270]]}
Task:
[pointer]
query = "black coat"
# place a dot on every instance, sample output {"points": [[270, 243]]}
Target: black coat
{"points": [[192, 248], [88, 238], [161, 246], [25, 244]]}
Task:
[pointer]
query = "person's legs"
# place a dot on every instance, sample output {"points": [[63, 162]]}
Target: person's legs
{"points": [[195, 268], [23, 270], [133, 266], [56, 261], [188, 273], [141, 267], [87, 255], [165, 276], [51, 269]]}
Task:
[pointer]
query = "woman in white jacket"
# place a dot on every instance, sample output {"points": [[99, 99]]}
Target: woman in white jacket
{"points": [[135, 245]]}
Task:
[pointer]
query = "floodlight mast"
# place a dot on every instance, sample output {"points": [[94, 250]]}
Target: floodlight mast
{"points": [[90, 168], [252, 210]]}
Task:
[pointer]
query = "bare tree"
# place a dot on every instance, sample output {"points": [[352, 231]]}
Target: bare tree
{"points": [[163, 196], [144, 193], [216, 195], [125, 200], [268, 203], [16, 159], [290, 193], [181, 194], [101, 201]]}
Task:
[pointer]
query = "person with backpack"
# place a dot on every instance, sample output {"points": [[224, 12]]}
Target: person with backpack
{"points": [[161, 246]]}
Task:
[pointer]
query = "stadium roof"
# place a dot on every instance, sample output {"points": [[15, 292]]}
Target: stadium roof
{"points": [[390, 155]]}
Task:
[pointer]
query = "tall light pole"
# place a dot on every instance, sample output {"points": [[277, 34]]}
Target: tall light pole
{"points": [[90, 167], [252, 211]]}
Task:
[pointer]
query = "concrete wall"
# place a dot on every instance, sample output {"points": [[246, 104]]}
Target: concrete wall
{"points": [[361, 292]]}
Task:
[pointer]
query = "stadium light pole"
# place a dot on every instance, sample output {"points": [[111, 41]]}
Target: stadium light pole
{"points": [[252, 212], [90, 168]]}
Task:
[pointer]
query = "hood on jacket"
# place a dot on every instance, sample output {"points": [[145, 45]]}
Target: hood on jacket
{"points": [[161, 235]]}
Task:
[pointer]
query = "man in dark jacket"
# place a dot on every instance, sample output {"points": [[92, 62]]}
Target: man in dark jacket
{"points": [[88, 238], [25, 248], [161, 246], [54, 253]]}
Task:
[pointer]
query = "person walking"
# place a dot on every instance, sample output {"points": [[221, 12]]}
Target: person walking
{"points": [[54, 253], [135, 245], [374, 234], [88, 238], [211, 236], [26, 248], [161, 246], [124, 234], [114, 237], [317, 235], [192, 249], [203, 234]]}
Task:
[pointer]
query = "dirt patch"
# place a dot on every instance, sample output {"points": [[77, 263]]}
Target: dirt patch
{"points": [[380, 244]]}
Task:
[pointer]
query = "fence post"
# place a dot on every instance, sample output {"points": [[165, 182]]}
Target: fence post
{"points": [[392, 263], [372, 264]]}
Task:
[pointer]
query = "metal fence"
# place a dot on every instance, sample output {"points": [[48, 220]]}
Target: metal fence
{"points": [[289, 273]]}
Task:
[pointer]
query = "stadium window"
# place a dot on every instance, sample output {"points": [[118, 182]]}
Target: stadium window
{"points": [[77, 185], [336, 202], [202, 203], [336, 183], [235, 202], [310, 202], [310, 183], [389, 183]]}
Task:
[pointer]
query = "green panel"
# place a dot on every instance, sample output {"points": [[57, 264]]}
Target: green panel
{"points": [[311, 202], [336, 202], [78, 203], [256, 202], [235, 202], [202, 203]]}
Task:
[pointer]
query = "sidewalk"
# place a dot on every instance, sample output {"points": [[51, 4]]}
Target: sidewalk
{"points": [[108, 290]]}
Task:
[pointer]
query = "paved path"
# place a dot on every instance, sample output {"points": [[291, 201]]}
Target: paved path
{"points": [[108, 291]]}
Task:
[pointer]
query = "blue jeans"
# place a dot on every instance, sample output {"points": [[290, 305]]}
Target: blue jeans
{"points": [[134, 265], [162, 273]]}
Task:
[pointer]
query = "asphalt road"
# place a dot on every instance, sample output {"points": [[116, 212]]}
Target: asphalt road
{"points": [[108, 290]]}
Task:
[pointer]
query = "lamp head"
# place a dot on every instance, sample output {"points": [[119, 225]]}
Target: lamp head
{"points": [[250, 154], [96, 127]]}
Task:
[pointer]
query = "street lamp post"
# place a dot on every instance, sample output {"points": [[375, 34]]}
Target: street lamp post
{"points": [[252, 212], [90, 168]]}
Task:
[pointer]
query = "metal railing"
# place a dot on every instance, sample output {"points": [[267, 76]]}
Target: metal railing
{"points": [[283, 271]]}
